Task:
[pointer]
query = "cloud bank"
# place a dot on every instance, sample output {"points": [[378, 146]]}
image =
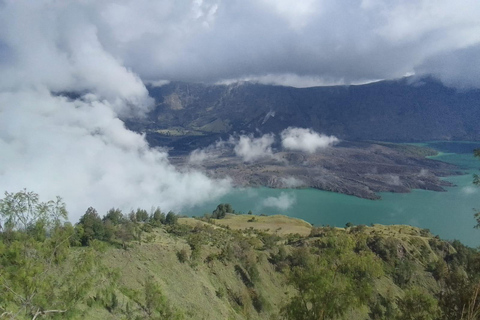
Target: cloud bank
{"points": [[251, 149], [307, 140], [75, 145], [213, 151], [291, 42]]}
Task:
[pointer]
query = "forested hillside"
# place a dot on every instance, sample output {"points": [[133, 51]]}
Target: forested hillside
{"points": [[148, 265]]}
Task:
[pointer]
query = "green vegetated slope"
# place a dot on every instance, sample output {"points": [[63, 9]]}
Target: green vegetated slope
{"points": [[157, 266], [208, 271]]}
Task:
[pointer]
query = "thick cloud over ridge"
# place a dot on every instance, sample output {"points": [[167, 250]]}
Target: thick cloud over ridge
{"points": [[269, 41]]}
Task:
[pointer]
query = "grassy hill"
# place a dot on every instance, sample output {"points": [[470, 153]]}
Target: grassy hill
{"points": [[160, 266], [236, 269]]}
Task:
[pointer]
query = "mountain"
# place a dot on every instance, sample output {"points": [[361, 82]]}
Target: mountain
{"points": [[188, 115]]}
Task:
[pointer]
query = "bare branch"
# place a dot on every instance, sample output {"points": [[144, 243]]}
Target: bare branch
{"points": [[42, 313]]}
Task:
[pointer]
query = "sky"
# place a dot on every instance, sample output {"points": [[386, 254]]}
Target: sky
{"points": [[105, 51]]}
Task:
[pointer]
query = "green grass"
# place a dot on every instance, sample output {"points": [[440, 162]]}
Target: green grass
{"points": [[211, 287]]}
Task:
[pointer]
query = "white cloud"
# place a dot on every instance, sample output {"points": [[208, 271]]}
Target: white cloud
{"points": [[423, 173], [307, 140], [78, 147], [469, 190], [213, 151], [292, 182], [394, 180], [82, 152], [198, 156], [252, 149], [301, 42], [283, 202]]}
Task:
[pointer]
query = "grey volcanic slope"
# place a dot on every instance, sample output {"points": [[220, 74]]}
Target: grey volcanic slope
{"points": [[355, 168], [189, 116], [386, 110]]}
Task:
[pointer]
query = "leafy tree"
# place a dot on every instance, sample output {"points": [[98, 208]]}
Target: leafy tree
{"points": [[158, 217], [23, 210], [108, 230], [132, 216], [332, 282], [125, 233], [403, 273], [417, 305], [460, 297], [115, 216], [221, 210], [156, 304], [92, 227], [30, 285], [171, 218], [141, 215]]}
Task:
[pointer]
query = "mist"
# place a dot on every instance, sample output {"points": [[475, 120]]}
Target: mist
{"points": [[306, 140]]}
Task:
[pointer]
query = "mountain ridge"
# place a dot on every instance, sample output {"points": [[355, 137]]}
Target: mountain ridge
{"points": [[394, 110]]}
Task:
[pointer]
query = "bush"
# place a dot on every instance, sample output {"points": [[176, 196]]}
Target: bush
{"points": [[221, 210], [182, 255], [425, 232], [171, 218]]}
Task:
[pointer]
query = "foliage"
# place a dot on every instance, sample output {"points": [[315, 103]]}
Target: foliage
{"points": [[158, 217], [115, 216], [156, 305], [23, 211], [332, 274], [332, 281], [30, 266], [141, 215], [221, 210], [182, 255], [417, 305], [171, 218], [92, 225]]}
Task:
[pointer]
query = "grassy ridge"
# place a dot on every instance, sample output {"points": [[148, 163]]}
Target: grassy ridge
{"points": [[160, 266], [239, 271]]}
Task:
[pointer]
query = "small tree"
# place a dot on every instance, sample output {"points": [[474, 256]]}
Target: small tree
{"points": [[23, 210], [115, 216], [156, 304], [141, 215], [158, 217], [221, 210], [330, 283], [38, 275], [171, 218], [92, 226], [417, 305]]}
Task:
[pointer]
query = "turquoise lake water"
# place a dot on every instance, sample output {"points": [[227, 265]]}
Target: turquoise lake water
{"points": [[448, 214]]}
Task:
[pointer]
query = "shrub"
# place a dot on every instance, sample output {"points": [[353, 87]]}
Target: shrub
{"points": [[182, 255]]}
